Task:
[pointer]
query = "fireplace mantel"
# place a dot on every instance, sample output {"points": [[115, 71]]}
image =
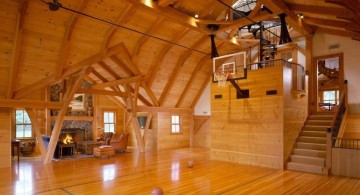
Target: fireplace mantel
{"points": [[75, 118]]}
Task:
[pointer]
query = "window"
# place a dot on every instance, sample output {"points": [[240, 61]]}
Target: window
{"points": [[109, 122], [175, 124], [23, 124], [331, 97]]}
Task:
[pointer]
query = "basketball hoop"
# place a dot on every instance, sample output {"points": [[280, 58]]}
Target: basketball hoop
{"points": [[221, 76]]}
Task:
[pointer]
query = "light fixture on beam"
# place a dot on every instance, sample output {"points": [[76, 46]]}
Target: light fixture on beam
{"points": [[54, 6], [284, 33]]}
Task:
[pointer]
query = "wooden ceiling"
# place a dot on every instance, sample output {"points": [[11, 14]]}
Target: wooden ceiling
{"points": [[157, 47]]}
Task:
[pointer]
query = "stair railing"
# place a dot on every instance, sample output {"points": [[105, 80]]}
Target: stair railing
{"points": [[333, 130]]}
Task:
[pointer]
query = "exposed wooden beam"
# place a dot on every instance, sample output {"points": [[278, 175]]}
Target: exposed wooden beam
{"points": [[69, 71], [101, 92], [74, 84], [322, 10], [150, 77], [177, 69], [164, 109], [112, 29], [126, 58], [142, 40], [147, 125], [353, 5], [191, 80], [119, 81], [122, 66], [150, 93], [15, 54], [36, 127], [139, 140], [109, 70], [63, 54], [141, 98], [164, 3], [10, 103], [352, 34], [292, 19], [200, 92], [332, 23]]}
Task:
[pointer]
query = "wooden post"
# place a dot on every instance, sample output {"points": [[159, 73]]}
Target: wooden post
{"points": [[147, 125], [35, 125], [139, 140], [74, 84]]}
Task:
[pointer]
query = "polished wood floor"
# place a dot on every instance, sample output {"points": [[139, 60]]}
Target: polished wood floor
{"points": [[134, 173]]}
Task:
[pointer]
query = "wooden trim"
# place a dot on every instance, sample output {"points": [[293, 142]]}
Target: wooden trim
{"points": [[10, 103]]}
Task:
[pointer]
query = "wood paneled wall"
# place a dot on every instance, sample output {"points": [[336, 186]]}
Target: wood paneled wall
{"points": [[5, 137], [201, 132], [295, 113], [345, 162], [352, 128], [262, 129], [166, 140], [104, 104], [249, 131]]}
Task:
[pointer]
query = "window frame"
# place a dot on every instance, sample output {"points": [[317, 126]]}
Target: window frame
{"points": [[109, 123], [179, 124], [336, 97], [23, 123]]}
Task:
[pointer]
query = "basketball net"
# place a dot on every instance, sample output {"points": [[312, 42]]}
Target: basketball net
{"points": [[221, 76]]}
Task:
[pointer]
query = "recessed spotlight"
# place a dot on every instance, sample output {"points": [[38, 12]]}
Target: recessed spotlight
{"points": [[196, 16]]}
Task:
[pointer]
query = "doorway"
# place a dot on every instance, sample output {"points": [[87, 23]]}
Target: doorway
{"points": [[329, 79]]}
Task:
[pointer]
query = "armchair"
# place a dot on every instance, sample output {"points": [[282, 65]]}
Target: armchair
{"points": [[104, 138], [119, 141]]}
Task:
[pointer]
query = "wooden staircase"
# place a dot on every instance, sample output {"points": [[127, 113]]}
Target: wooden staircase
{"points": [[309, 151]]}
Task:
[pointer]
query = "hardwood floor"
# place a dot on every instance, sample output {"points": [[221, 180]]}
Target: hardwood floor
{"points": [[134, 173]]}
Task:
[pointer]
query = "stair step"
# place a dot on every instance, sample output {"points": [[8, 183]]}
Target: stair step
{"points": [[313, 134], [304, 167], [319, 122], [308, 160], [310, 146], [310, 153], [315, 128], [320, 117], [315, 140]]}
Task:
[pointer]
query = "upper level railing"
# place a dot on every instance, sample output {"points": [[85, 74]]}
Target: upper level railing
{"points": [[298, 78]]}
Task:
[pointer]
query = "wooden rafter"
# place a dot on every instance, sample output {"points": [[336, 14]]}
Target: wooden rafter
{"points": [[164, 3], [157, 62], [150, 93], [67, 38], [101, 92], [292, 19], [122, 66], [177, 69], [15, 55], [112, 29], [109, 70], [119, 82], [333, 23], [353, 35], [69, 71], [144, 38], [73, 86], [322, 10]]}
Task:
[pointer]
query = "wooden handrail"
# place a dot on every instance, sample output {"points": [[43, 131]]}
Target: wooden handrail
{"points": [[341, 102]]}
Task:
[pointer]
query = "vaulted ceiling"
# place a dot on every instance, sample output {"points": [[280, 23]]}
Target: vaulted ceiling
{"points": [[158, 47]]}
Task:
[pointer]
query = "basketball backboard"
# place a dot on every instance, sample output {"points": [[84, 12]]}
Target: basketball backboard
{"points": [[234, 64]]}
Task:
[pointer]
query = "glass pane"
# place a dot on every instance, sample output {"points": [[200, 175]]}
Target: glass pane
{"points": [[172, 128], [172, 119], [177, 119], [19, 130], [112, 128], [26, 118], [177, 128], [19, 116], [106, 117], [106, 127], [28, 131], [111, 117]]}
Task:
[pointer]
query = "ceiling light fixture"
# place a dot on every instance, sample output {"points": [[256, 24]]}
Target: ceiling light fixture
{"points": [[196, 15]]}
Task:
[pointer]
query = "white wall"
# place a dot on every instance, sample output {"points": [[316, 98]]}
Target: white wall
{"points": [[203, 105], [350, 48]]}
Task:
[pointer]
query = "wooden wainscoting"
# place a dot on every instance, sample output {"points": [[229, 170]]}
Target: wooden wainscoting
{"points": [[346, 162]]}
